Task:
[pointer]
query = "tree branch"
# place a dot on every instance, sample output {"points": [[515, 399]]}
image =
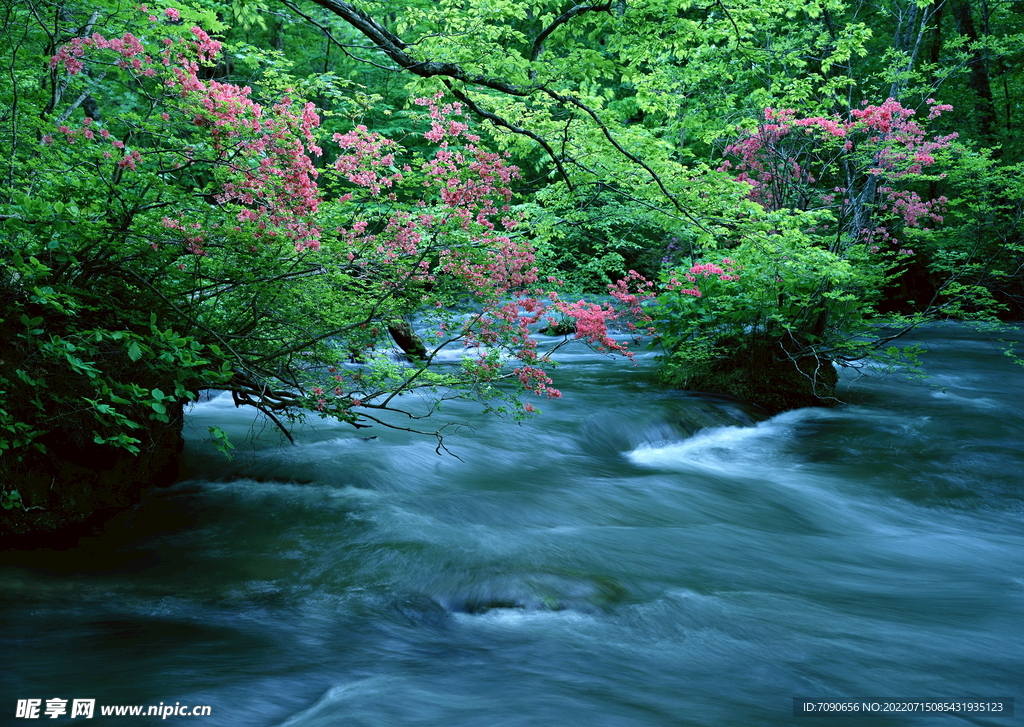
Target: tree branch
{"points": [[538, 42], [395, 48], [78, 102], [503, 123]]}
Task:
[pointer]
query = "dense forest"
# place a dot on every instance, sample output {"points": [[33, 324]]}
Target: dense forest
{"points": [[271, 197]]}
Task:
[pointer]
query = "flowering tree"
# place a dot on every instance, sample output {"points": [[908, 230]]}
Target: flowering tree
{"points": [[859, 168], [829, 202], [186, 233]]}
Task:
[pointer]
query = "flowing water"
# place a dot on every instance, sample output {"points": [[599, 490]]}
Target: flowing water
{"points": [[631, 557]]}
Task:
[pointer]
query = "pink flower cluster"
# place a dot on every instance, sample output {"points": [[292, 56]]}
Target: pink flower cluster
{"points": [[876, 142], [261, 156], [366, 158], [728, 271], [464, 236], [632, 291]]}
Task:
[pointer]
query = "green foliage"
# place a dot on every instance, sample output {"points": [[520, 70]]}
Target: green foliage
{"points": [[779, 288], [109, 326], [11, 500], [221, 440], [977, 256], [617, 114]]}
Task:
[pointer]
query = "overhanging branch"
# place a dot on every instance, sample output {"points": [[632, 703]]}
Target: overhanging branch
{"points": [[538, 42], [395, 48], [505, 124]]}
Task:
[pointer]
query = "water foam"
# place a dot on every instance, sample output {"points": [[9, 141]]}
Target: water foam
{"points": [[720, 449]]}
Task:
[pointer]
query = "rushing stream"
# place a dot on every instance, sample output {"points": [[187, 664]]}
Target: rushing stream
{"points": [[609, 563]]}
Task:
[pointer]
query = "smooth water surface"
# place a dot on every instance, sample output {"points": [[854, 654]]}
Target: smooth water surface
{"points": [[631, 557]]}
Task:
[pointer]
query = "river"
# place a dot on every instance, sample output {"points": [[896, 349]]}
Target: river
{"points": [[602, 564]]}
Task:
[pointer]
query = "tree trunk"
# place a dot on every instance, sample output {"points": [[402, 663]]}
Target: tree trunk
{"points": [[978, 81], [407, 339]]}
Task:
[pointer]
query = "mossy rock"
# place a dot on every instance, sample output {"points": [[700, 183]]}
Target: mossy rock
{"points": [[560, 328], [761, 374]]}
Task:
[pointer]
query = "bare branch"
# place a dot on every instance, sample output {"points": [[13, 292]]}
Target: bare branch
{"points": [[77, 102], [438, 433], [343, 47]]}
